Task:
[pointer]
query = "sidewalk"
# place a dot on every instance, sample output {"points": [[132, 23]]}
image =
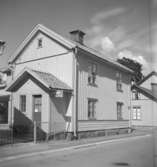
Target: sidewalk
{"points": [[26, 148]]}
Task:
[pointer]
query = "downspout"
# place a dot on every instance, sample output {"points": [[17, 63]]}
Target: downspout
{"points": [[75, 50], [12, 67], [130, 109]]}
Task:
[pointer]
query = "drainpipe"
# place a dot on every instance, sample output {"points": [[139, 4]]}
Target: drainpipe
{"points": [[11, 101], [130, 109], [75, 92]]}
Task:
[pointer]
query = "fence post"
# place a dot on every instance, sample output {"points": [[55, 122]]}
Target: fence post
{"points": [[54, 137], [35, 132]]}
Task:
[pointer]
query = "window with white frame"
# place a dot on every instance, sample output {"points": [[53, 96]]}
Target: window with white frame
{"points": [[92, 71], [23, 103], [136, 113], [119, 81], [92, 109], [135, 95], [119, 111], [40, 43]]}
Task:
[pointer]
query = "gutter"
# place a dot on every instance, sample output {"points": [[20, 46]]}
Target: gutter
{"points": [[75, 115]]}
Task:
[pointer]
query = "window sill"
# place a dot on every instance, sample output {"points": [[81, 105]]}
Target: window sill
{"points": [[92, 84], [120, 90], [92, 119]]}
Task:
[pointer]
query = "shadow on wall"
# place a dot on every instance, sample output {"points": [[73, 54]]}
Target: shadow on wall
{"points": [[60, 121], [24, 127], [103, 71], [62, 105]]}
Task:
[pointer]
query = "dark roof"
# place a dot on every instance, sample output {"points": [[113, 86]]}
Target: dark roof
{"points": [[46, 79], [148, 93], [51, 80], [147, 77]]}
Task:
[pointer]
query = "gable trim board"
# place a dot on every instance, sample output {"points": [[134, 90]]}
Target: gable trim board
{"points": [[45, 30], [48, 80], [71, 45]]}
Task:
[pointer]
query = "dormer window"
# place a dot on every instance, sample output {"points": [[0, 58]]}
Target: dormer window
{"points": [[40, 43]]}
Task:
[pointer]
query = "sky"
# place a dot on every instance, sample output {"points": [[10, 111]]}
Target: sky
{"points": [[116, 28]]}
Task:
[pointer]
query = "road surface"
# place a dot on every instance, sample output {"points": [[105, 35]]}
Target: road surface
{"points": [[135, 152]]}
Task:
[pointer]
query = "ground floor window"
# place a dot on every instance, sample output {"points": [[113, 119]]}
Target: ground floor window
{"points": [[37, 107], [136, 113], [119, 111], [92, 109], [3, 112], [23, 103]]}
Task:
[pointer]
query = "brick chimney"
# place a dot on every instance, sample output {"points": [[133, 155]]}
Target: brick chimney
{"points": [[77, 36], [154, 88]]}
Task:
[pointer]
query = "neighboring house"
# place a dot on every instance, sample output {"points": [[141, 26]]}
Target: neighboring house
{"points": [[65, 85], [5, 78], [144, 101]]}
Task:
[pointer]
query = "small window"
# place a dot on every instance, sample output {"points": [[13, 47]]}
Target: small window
{"points": [[135, 95], [119, 111], [37, 103], [40, 43], [23, 103], [119, 81], [92, 109], [92, 71], [136, 113]]}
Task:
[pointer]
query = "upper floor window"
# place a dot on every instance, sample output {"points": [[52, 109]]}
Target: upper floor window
{"points": [[119, 81], [136, 113], [92, 108], [23, 103], [40, 43], [135, 95], [92, 71], [119, 111]]}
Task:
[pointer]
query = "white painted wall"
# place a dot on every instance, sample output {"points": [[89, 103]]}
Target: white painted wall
{"points": [[105, 92], [60, 62], [29, 89]]}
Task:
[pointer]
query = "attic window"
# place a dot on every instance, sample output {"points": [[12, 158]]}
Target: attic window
{"points": [[40, 43]]}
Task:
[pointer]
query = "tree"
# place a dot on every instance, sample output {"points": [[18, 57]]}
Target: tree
{"points": [[134, 66]]}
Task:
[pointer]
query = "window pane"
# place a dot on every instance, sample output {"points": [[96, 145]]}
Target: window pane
{"points": [[23, 103], [91, 108]]}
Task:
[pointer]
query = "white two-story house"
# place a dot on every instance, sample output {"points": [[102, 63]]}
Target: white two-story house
{"points": [[66, 86]]}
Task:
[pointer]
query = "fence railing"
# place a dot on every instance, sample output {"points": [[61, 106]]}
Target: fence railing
{"points": [[35, 132]]}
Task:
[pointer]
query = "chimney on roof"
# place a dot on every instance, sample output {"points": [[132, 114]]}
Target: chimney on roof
{"points": [[77, 36]]}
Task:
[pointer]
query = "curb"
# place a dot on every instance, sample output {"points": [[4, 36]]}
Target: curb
{"points": [[72, 148]]}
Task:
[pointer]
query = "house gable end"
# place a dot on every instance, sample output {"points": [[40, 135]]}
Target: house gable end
{"points": [[53, 41], [146, 82], [50, 47]]}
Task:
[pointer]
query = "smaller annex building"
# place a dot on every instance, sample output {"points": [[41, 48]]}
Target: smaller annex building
{"points": [[144, 101]]}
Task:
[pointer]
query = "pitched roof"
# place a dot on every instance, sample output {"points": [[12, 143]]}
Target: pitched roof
{"points": [[148, 93], [51, 80], [46, 79], [65, 42], [153, 73]]}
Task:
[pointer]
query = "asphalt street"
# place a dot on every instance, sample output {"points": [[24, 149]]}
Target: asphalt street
{"points": [[135, 152]]}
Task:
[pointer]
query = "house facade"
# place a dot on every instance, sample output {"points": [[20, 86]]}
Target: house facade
{"points": [[66, 86], [144, 101]]}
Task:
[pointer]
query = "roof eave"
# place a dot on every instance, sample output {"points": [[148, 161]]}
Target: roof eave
{"points": [[45, 30], [107, 61]]}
